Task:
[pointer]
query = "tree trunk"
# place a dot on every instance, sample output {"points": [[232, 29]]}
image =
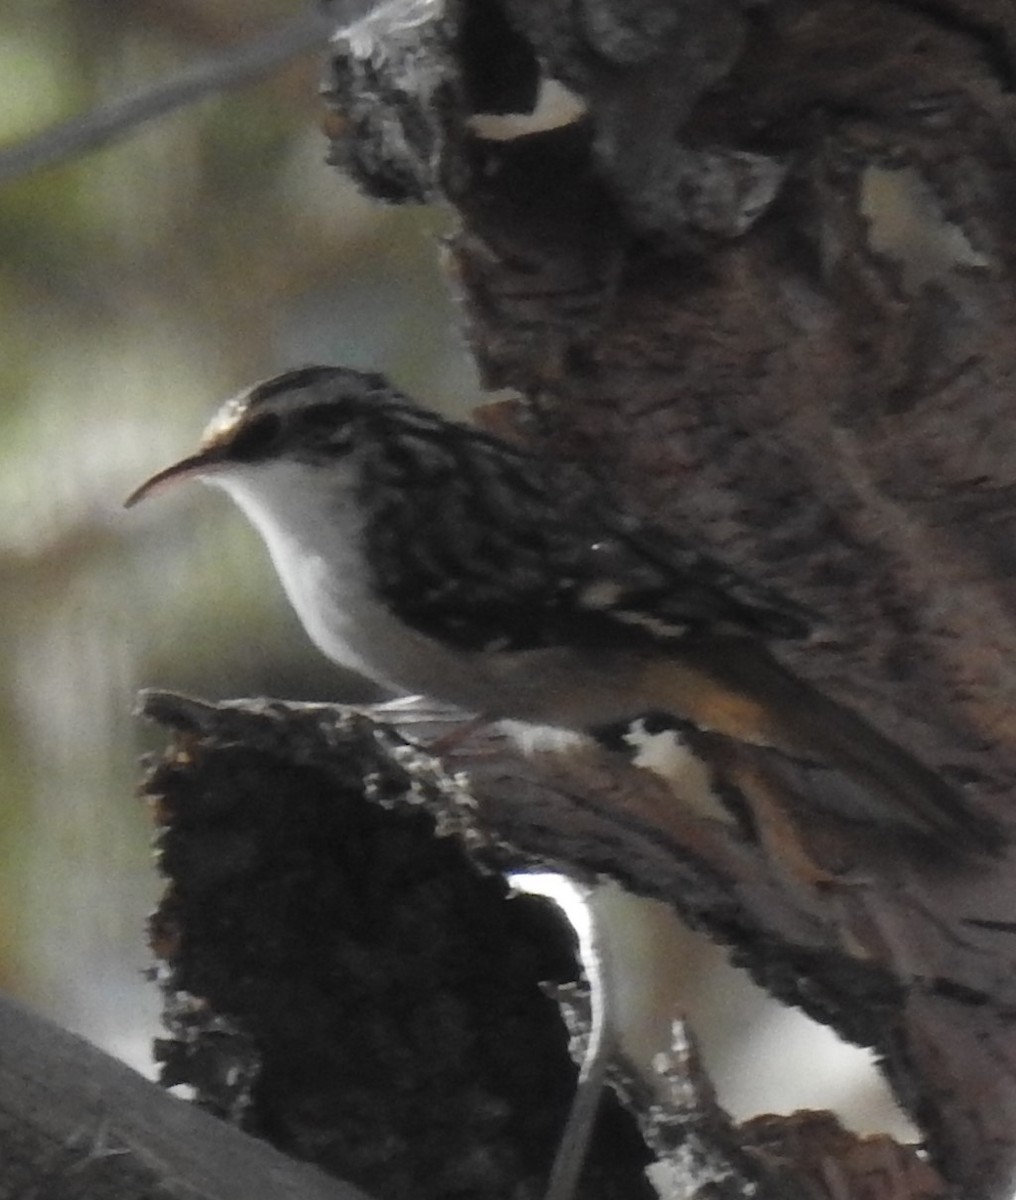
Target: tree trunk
{"points": [[758, 282]]}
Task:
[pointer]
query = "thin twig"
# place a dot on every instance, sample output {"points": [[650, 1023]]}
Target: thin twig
{"points": [[239, 65], [573, 1149]]}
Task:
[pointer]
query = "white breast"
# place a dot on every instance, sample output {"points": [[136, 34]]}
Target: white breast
{"points": [[312, 528], [311, 525]]}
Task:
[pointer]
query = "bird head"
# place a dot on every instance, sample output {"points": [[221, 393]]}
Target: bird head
{"points": [[302, 416]]}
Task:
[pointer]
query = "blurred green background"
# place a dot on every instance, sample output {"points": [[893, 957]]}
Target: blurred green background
{"points": [[139, 286]]}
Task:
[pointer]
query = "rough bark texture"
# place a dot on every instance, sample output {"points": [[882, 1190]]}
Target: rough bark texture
{"points": [[763, 289], [343, 978], [357, 990]]}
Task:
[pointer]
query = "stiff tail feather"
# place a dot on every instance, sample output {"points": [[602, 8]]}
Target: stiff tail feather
{"points": [[737, 689]]}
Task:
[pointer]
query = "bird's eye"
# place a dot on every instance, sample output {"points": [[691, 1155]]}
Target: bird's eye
{"points": [[324, 430], [319, 417], [255, 438]]}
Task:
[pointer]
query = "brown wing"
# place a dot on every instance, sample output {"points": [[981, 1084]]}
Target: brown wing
{"points": [[483, 553]]}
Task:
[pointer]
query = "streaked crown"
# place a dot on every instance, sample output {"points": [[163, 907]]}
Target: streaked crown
{"points": [[305, 414]]}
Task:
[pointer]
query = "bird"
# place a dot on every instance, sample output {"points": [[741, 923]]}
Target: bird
{"points": [[436, 558]]}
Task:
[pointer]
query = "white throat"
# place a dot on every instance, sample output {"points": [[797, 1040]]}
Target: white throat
{"points": [[312, 526], [311, 521]]}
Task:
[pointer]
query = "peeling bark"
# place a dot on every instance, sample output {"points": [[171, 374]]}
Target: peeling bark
{"points": [[757, 284], [342, 977], [762, 290], [355, 991]]}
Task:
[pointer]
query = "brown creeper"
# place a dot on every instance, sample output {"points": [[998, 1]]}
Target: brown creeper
{"points": [[437, 559]]}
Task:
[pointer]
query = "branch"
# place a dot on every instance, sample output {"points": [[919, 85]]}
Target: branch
{"points": [[314, 926], [76, 1124], [761, 290], [233, 68], [347, 983]]}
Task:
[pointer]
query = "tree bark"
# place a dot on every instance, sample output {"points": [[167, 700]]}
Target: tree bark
{"points": [[346, 975], [345, 970], [761, 287], [76, 1124]]}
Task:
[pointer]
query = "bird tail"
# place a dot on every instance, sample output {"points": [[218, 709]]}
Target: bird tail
{"points": [[737, 689]]}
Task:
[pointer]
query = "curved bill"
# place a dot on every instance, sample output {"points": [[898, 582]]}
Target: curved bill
{"points": [[194, 464]]}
